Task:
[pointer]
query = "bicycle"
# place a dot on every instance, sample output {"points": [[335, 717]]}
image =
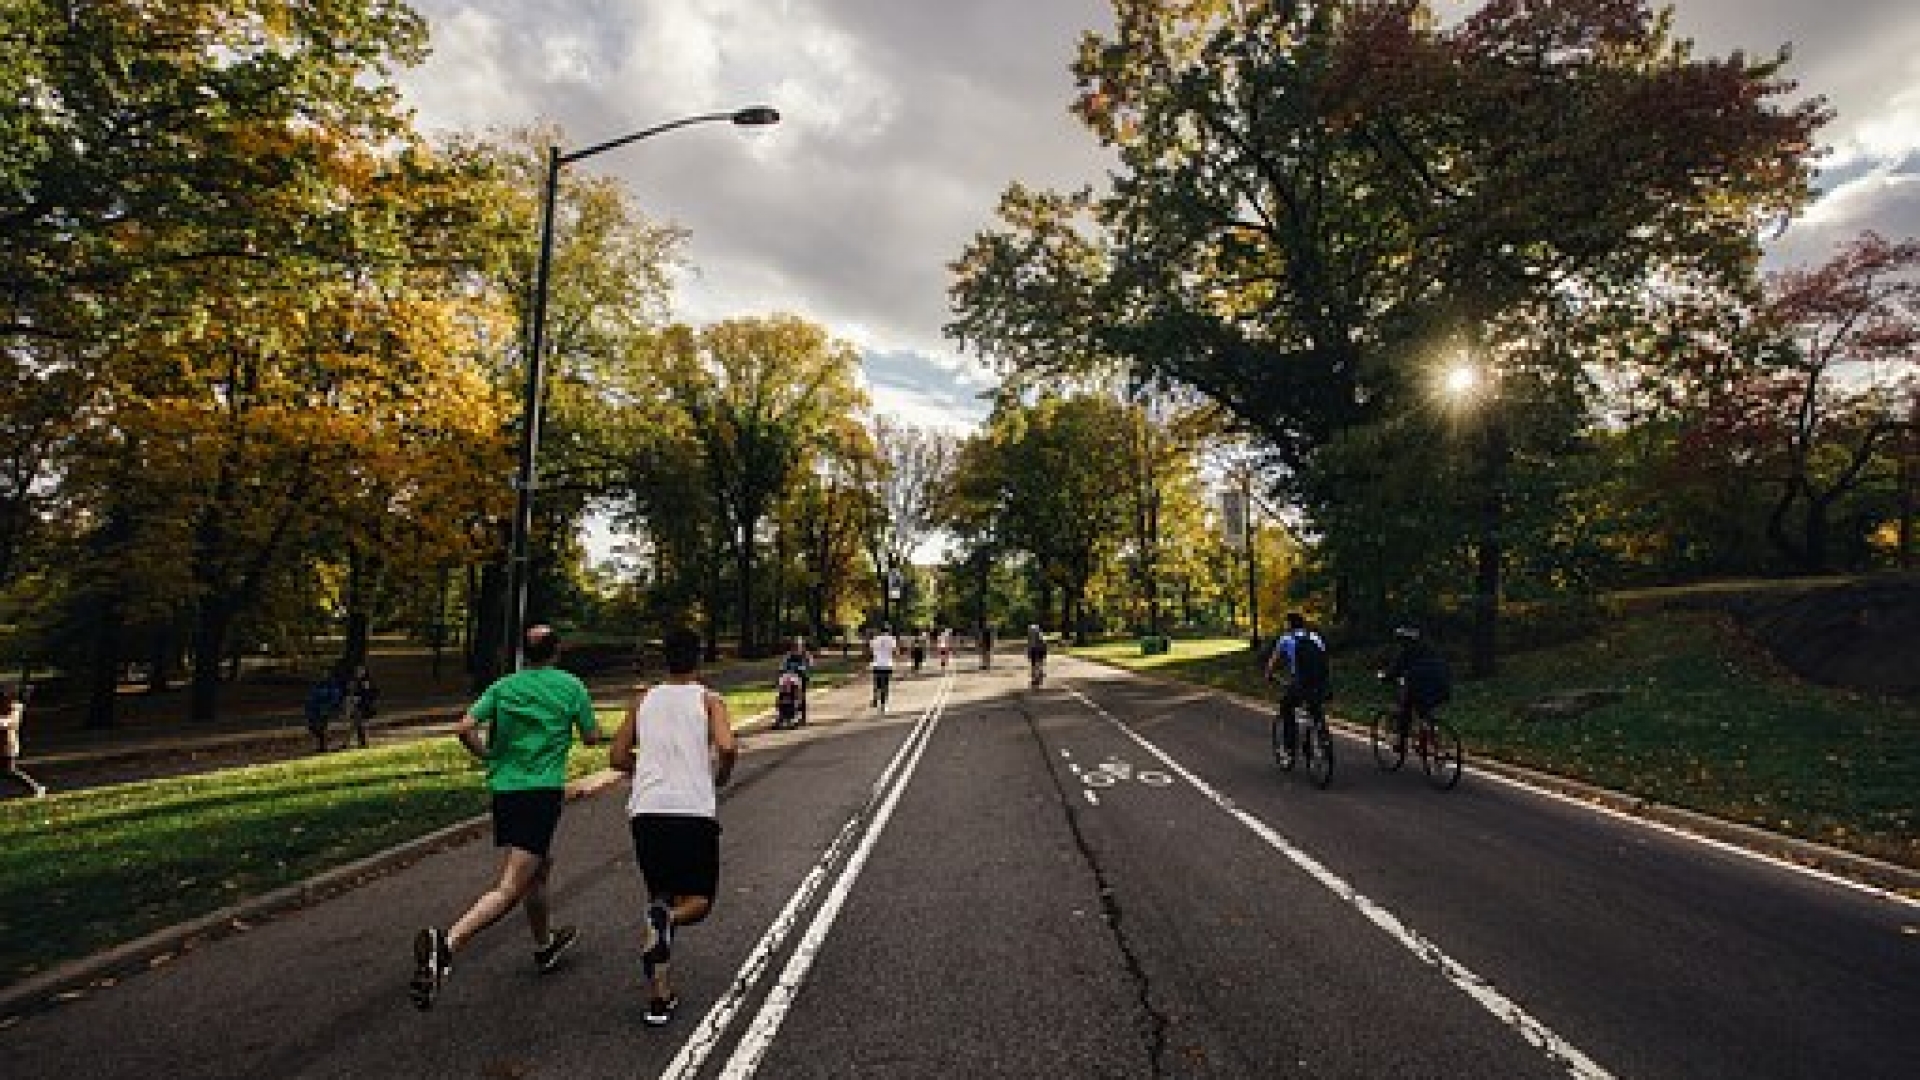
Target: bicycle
{"points": [[1433, 739], [1316, 743]]}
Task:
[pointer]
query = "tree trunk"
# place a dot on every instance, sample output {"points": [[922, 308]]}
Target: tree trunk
{"points": [[1903, 557], [713, 610], [210, 628], [103, 667], [743, 569], [486, 643], [163, 653], [1815, 533], [359, 628], [1488, 553]]}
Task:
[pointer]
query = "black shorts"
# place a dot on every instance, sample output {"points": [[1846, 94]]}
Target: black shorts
{"points": [[527, 819], [679, 854]]}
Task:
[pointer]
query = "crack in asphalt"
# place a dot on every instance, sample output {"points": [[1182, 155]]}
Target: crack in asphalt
{"points": [[1110, 909]]}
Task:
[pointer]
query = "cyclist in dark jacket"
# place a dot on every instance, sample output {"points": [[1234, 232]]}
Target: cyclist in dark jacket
{"points": [[1424, 679]]}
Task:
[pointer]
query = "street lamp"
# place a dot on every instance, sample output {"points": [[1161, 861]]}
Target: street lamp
{"points": [[525, 479]]}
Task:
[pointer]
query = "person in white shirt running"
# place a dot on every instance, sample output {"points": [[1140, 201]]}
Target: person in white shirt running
{"points": [[13, 713], [944, 646], [677, 744], [882, 647]]}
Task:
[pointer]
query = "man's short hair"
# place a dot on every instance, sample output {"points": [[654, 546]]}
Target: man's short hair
{"points": [[1296, 621], [682, 646], [542, 644]]}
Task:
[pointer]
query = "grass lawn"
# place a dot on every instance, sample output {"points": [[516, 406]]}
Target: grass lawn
{"points": [[1704, 721], [85, 870]]}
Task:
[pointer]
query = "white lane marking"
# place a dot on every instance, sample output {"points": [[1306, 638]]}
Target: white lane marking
{"points": [[759, 1036], [1503, 1008], [712, 1027], [1091, 797]]}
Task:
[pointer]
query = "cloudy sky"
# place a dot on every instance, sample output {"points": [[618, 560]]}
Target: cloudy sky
{"points": [[905, 119]]}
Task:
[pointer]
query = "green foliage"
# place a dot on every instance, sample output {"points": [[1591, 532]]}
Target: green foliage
{"points": [[1319, 206]]}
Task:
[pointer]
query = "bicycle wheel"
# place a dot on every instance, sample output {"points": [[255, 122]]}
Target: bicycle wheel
{"points": [[1316, 742], [1385, 755], [1441, 756], [1282, 756]]}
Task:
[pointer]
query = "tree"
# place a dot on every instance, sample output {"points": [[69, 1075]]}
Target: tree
{"points": [[1054, 461], [1315, 200], [911, 465], [1823, 388], [209, 201], [761, 394]]}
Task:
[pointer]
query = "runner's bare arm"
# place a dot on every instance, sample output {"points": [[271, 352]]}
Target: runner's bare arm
{"points": [[726, 748], [467, 730], [590, 728], [620, 757]]}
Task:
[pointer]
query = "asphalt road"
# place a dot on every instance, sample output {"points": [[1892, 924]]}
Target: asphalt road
{"points": [[1106, 877]]}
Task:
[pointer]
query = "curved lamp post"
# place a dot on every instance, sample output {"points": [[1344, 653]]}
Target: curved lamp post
{"points": [[526, 477]]}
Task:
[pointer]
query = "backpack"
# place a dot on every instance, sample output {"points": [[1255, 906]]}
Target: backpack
{"points": [[1310, 664], [1429, 681]]}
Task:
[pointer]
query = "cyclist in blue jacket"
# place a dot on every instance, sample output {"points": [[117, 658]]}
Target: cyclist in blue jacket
{"points": [[1309, 675]]}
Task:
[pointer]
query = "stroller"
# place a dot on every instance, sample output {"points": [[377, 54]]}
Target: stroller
{"points": [[789, 701]]}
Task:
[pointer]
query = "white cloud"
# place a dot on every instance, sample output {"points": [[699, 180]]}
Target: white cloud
{"points": [[905, 119]]}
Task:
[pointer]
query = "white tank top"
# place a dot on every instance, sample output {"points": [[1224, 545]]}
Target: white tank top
{"points": [[673, 764]]}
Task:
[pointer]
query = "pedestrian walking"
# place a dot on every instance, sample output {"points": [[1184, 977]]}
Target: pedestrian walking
{"points": [[362, 695], [882, 648], [323, 701], [529, 718], [677, 744], [13, 715]]}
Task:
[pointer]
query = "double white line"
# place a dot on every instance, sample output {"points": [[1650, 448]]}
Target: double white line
{"points": [[861, 832]]}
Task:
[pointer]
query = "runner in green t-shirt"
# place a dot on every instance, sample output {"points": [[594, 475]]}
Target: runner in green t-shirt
{"points": [[529, 718]]}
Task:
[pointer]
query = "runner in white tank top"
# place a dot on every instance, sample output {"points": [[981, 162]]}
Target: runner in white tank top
{"points": [[673, 770], [677, 742]]}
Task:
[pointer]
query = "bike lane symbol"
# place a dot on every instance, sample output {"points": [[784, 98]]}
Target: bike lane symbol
{"points": [[1114, 771]]}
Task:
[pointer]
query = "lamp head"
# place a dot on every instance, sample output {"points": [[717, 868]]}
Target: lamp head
{"points": [[757, 116]]}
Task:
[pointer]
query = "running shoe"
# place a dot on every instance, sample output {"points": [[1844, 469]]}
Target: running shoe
{"points": [[433, 961], [559, 940], [660, 1010]]}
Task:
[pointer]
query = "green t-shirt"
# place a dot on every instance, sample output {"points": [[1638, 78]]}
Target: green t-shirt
{"points": [[531, 715]]}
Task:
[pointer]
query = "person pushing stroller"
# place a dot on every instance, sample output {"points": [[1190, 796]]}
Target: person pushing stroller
{"points": [[790, 693]]}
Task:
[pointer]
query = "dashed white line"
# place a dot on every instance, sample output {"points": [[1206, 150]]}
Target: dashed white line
{"points": [[1503, 1008]]}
